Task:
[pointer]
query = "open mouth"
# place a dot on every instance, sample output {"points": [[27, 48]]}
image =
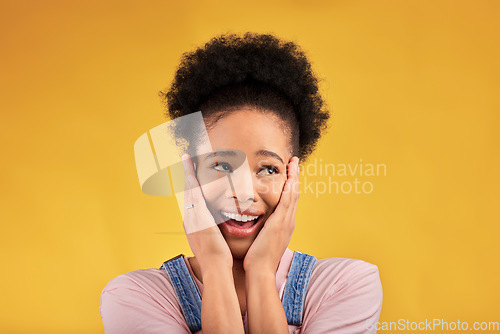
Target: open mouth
{"points": [[240, 221], [240, 226]]}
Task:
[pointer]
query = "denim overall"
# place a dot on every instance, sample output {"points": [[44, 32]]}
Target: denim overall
{"points": [[189, 295]]}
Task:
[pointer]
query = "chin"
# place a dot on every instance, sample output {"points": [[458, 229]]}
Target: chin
{"points": [[239, 249], [238, 246]]}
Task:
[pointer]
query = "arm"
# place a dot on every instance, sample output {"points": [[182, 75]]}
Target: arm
{"points": [[220, 309], [261, 290], [265, 311], [127, 307], [344, 297]]}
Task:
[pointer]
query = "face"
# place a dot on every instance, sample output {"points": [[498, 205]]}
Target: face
{"points": [[245, 175]]}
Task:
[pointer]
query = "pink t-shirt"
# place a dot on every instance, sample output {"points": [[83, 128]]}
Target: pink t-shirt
{"points": [[344, 296]]}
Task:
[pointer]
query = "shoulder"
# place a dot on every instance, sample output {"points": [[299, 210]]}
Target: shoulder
{"points": [[337, 272], [335, 276], [345, 291], [142, 284], [145, 280], [140, 297]]}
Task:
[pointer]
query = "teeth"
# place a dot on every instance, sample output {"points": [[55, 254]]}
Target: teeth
{"points": [[240, 218]]}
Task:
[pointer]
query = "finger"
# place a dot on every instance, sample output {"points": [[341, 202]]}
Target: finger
{"points": [[196, 218], [284, 208], [188, 197], [293, 177], [286, 194], [191, 182], [294, 189]]}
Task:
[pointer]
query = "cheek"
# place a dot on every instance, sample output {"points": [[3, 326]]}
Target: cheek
{"points": [[213, 189], [270, 191]]}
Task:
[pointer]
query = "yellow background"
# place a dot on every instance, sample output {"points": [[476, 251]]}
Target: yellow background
{"points": [[412, 84]]}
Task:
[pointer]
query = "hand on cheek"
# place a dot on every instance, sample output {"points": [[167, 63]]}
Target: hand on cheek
{"points": [[204, 237], [266, 251]]}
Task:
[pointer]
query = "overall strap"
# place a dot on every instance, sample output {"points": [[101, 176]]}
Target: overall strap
{"points": [[189, 295], [296, 287], [187, 291]]}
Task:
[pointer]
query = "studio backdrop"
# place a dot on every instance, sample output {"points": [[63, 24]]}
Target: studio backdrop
{"points": [[405, 178]]}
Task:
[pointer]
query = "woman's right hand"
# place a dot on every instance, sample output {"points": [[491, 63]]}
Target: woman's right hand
{"points": [[220, 309], [204, 237]]}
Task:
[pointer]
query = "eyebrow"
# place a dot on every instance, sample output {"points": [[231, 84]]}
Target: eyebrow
{"points": [[231, 153], [269, 154], [228, 153]]}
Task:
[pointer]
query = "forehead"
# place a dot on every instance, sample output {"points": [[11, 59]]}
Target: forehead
{"points": [[249, 131]]}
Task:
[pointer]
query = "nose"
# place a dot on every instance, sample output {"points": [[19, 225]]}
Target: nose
{"points": [[242, 186]]}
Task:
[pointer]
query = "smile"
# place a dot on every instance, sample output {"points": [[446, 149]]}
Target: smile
{"points": [[241, 225], [238, 217]]}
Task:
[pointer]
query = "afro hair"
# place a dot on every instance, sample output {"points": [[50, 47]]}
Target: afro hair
{"points": [[260, 70]]}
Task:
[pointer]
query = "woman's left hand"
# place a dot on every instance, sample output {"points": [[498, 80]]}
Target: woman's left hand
{"points": [[267, 249]]}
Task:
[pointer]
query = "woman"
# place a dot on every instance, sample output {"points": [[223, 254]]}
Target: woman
{"points": [[259, 97]]}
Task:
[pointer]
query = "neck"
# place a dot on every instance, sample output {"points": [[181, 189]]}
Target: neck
{"points": [[238, 273]]}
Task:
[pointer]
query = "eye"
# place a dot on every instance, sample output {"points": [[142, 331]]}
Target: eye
{"points": [[269, 170], [222, 167]]}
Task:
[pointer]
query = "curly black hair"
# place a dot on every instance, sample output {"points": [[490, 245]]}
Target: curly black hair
{"points": [[258, 70]]}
